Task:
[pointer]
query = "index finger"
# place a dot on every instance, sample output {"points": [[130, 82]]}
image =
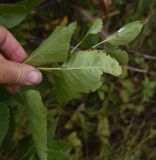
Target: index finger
{"points": [[10, 47]]}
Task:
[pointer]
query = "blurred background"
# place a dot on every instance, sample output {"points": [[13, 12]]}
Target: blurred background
{"points": [[118, 122]]}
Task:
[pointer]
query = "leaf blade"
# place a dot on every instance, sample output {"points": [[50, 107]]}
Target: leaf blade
{"points": [[94, 29], [38, 122], [55, 48], [8, 17], [82, 74], [126, 34]]}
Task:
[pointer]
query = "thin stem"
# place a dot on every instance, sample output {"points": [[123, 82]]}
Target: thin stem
{"points": [[143, 71], [145, 56], [27, 60], [135, 69], [49, 69], [99, 44], [75, 47]]}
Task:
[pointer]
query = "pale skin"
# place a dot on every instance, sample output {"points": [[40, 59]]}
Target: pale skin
{"points": [[14, 74]]}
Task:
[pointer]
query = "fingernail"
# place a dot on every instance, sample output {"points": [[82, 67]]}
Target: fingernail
{"points": [[34, 77]]}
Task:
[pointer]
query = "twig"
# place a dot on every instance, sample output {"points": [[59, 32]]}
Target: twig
{"points": [[135, 69], [86, 14], [148, 57], [144, 71]]}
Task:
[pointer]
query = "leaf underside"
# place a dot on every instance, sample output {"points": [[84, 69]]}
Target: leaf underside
{"points": [[82, 74]]}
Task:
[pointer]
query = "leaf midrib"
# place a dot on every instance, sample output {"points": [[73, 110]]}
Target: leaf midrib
{"points": [[71, 68]]}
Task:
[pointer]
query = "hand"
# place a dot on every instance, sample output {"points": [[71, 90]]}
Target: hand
{"points": [[12, 73]]}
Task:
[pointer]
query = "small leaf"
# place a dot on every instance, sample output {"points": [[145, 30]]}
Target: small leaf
{"points": [[126, 34], [90, 41], [82, 74], [38, 122], [120, 55], [54, 48], [4, 121], [94, 29]]}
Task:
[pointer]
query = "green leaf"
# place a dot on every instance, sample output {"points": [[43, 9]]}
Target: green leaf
{"points": [[125, 35], [4, 121], [13, 14], [38, 122], [51, 131], [10, 21], [120, 55], [94, 29], [55, 48], [89, 41], [82, 74]]}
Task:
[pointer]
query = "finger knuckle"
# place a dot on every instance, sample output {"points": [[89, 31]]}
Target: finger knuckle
{"points": [[19, 73], [10, 73], [2, 72]]}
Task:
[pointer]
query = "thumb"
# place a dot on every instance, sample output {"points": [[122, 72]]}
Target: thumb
{"points": [[17, 73]]}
